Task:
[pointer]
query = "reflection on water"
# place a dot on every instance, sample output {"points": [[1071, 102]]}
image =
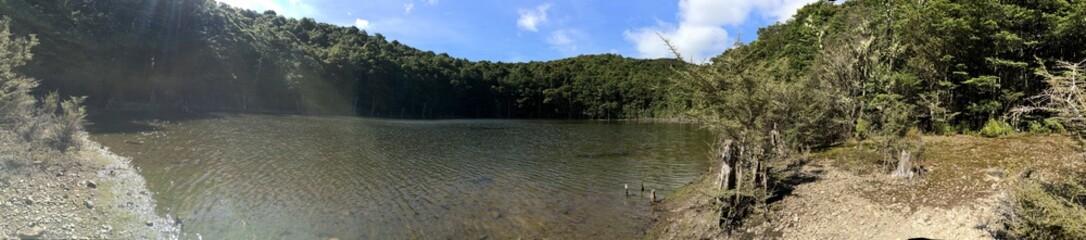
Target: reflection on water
{"points": [[299, 177]]}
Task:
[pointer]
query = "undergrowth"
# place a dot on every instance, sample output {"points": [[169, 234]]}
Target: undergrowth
{"points": [[1046, 210]]}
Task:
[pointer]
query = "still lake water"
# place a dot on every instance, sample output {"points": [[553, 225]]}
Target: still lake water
{"points": [[239, 176]]}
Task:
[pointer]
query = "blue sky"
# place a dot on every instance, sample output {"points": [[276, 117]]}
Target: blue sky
{"points": [[540, 30]]}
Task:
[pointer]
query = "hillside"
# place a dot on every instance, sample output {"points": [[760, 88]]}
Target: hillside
{"points": [[194, 55]]}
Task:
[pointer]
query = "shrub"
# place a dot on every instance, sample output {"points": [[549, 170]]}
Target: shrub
{"points": [[996, 128], [45, 122], [1047, 211], [945, 129], [1054, 125], [1038, 128]]}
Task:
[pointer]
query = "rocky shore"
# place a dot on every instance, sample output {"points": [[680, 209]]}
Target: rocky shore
{"points": [[86, 194]]}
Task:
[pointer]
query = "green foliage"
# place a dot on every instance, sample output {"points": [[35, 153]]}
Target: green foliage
{"points": [[996, 128], [33, 121], [1038, 128], [194, 55], [862, 129], [1053, 125], [1048, 210]]}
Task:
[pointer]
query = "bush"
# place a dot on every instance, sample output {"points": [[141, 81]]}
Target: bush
{"points": [[1054, 125], [1047, 211], [1038, 128], [862, 128], [945, 129], [996, 128], [46, 122]]}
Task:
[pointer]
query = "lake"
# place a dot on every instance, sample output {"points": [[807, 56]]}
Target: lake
{"points": [[243, 176]]}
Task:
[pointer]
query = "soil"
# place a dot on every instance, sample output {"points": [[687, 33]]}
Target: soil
{"points": [[849, 196], [86, 194]]}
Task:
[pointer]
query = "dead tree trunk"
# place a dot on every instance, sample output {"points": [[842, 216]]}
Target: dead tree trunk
{"points": [[904, 166], [724, 183]]}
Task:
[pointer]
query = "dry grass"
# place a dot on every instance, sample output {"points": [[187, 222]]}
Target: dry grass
{"points": [[960, 168]]}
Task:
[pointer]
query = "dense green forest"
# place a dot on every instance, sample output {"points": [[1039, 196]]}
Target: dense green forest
{"points": [[194, 55], [882, 73], [952, 64]]}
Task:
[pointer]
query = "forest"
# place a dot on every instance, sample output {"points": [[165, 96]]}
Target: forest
{"points": [[200, 55]]}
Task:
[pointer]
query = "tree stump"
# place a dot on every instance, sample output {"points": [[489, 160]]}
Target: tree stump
{"points": [[652, 196], [904, 166]]}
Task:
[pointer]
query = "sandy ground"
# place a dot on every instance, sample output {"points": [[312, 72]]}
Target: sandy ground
{"points": [[89, 194]]}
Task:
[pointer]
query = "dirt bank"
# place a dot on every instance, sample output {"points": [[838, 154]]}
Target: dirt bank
{"points": [[848, 197], [90, 193]]}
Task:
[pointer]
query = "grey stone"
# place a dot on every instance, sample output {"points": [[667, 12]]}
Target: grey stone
{"points": [[31, 233]]}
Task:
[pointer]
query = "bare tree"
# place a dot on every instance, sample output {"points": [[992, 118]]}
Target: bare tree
{"points": [[1065, 96]]}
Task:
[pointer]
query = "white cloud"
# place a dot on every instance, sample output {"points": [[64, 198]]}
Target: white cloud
{"points": [[407, 7], [531, 18], [432, 2], [700, 33], [561, 41], [361, 23], [290, 8]]}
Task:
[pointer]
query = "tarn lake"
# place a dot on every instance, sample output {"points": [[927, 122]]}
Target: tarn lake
{"points": [[248, 176]]}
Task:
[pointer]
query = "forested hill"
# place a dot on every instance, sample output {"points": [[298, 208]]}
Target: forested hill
{"points": [[198, 55], [944, 66]]}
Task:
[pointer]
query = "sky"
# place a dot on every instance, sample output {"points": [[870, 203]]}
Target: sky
{"points": [[542, 30]]}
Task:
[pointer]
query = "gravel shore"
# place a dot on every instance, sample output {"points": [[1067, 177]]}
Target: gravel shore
{"points": [[86, 194]]}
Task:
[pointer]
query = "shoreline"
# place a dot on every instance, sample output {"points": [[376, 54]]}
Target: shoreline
{"points": [[687, 213], [87, 193], [131, 194]]}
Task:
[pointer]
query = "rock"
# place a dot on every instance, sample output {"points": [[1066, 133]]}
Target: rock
{"points": [[91, 184], [31, 233], [150, 224], [88, 203], [29, 200]]}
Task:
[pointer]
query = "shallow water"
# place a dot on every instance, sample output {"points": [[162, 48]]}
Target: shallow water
{"points": [[231, 176]]}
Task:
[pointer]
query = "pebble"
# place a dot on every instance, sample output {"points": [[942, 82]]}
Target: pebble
{"points": [[31, 233], [88, 203]]}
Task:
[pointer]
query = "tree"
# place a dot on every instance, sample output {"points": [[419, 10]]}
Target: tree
{"points": [[20, 112]]}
